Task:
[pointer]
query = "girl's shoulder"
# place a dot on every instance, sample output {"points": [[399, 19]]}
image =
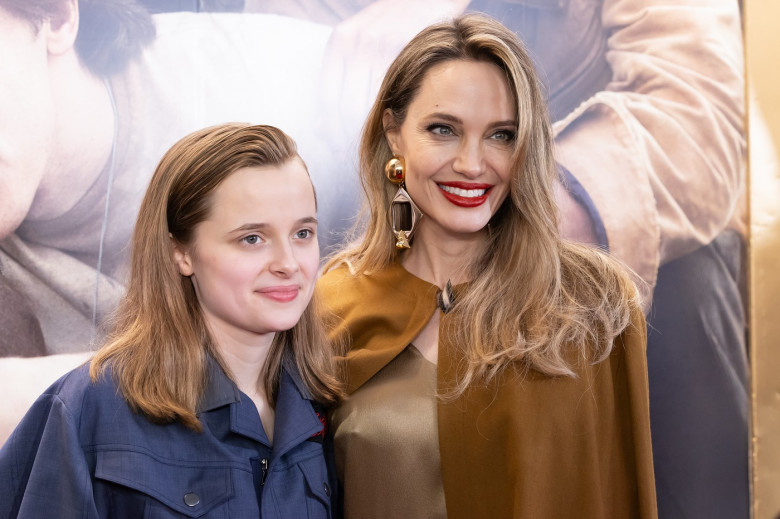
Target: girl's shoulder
{"points": [[79, 394]]}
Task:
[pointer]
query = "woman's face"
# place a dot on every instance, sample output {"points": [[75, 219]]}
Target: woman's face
{"points": [[254, 261], [457, 142]]}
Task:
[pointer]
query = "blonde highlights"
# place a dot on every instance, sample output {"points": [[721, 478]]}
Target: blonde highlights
{"points": [[534, 299], [159, 346]]}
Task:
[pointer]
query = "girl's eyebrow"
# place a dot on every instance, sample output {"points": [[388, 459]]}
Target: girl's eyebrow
{"points": [[251, 227], [262, 226]]}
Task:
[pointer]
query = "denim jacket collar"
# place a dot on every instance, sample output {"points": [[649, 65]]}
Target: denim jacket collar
{"points": [[220, 390], [295, 418]]}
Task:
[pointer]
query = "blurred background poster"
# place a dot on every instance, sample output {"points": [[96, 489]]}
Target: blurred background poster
{"points": [[648, 99]]}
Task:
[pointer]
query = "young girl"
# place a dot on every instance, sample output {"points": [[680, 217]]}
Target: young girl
{"points": [[206, 399]]}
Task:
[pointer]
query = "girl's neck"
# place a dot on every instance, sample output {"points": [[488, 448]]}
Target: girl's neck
{"points": [[244, 358]]}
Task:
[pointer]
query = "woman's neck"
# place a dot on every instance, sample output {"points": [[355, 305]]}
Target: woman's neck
{"points": [[438, 258]]}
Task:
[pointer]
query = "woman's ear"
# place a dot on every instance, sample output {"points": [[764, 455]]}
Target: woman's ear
{"points": [[61, 30], [392, 131], [182, 258]]}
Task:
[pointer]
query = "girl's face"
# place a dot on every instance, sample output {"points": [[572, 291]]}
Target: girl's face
{"points": [[457, 142], [254, 261]]}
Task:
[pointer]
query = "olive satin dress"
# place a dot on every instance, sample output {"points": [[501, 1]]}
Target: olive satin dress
{"points": [[386, 443]]}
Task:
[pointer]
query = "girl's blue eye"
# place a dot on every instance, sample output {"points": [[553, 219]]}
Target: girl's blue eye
{"points": [[252, 239], [304, 233]]}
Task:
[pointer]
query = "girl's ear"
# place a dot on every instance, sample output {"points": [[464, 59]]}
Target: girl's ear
{"points": [[182, 258], [61, 31]]}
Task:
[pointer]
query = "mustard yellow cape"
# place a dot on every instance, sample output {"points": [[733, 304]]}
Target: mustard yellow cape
{"points": [[529, 445]]}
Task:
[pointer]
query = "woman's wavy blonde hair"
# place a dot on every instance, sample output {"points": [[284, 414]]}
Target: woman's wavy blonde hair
{"points": [[159, 346], [533, 296]]}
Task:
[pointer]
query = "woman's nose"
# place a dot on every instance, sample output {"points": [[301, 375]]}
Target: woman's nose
{"points": [[470, 159]]}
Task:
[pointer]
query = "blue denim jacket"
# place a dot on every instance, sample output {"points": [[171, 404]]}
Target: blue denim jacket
{"points": [[82, 452]]}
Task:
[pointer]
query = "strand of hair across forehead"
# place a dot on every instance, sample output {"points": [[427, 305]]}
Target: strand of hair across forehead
{"points": [[104, 225]]}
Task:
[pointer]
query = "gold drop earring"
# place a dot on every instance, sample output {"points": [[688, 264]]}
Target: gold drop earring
{"points": [[404, 214]]}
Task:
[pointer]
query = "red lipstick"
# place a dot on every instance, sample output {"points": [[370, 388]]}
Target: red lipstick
{"points": [[465, 194]]}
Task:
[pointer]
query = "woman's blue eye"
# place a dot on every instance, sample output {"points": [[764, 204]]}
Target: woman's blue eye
{"points": [[440, 129], [252, 239], [304, 233], [504, 135]]}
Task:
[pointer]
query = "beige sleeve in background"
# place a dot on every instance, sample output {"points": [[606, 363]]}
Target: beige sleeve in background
{"points": [[661, 149]]}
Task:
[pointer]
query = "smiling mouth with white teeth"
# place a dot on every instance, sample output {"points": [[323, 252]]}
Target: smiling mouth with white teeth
{"points": [[465, 193]]}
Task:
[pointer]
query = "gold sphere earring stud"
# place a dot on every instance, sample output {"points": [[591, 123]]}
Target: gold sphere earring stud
{"points": [[394, 170]]}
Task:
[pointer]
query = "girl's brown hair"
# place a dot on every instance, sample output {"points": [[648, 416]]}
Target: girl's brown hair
{"points": [[160, 344], [532, 295]]}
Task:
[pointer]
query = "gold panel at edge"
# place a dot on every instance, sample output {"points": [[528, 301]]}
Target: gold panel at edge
{"points": [[762, 44]]}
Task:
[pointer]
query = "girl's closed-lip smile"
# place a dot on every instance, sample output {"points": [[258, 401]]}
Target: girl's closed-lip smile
{"points": [[282, 294]]}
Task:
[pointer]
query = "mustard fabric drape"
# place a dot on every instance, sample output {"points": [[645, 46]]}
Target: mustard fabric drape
{"points": [[524, 446]]}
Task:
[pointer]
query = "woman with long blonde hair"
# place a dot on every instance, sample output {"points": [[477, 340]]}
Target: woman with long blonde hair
{"points": [[208, 398], [495, 369]]}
